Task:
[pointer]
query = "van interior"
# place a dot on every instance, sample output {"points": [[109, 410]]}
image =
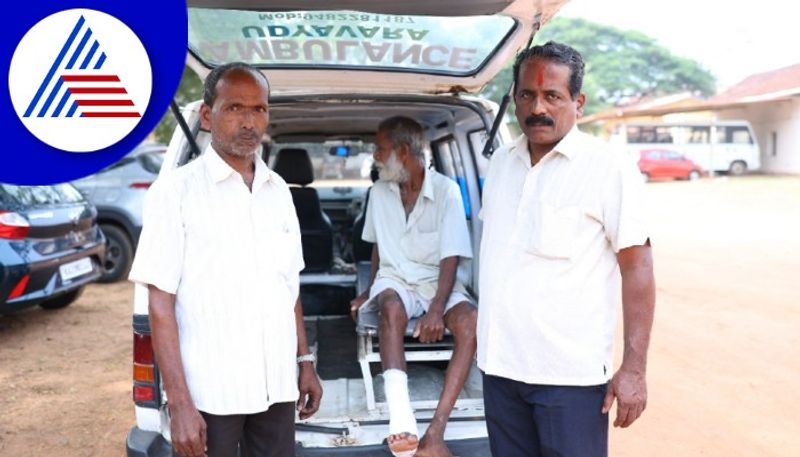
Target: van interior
{"points": [[323, 150]]}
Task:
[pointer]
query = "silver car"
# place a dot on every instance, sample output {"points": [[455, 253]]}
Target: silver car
{"points": [[118, 193]]}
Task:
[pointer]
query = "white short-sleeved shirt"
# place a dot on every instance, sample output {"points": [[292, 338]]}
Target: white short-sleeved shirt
{"points": [[411, 249], [232, 257], [549, 277]]}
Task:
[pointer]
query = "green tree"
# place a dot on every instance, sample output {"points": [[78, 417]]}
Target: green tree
{"points": [[620, 65], [189, 90]]}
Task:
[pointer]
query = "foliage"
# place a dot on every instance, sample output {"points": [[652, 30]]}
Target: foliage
{"points": [[189, 90], [620, 65]]}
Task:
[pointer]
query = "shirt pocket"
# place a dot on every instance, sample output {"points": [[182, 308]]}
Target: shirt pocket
{"points": [[279, 250], [551, 230], [423, 247]]}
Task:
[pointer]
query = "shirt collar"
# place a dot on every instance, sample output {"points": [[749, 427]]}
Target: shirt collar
{"points": [[568, 146], [220, 170], [427, 186]]}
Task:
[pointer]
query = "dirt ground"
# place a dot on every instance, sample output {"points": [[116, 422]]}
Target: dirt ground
{"points": [[724, 364]]}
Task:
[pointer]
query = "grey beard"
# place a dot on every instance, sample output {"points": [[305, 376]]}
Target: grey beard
{"points": [[392, 170]]}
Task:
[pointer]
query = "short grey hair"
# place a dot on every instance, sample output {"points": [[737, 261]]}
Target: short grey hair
{"points": [[404, 130], [210, 85]]}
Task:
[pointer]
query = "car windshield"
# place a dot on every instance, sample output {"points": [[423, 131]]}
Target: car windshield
{"points": [[12, 197], [335, 164], [347, 39]]}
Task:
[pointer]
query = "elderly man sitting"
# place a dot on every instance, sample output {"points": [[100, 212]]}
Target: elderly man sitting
{"points": [[415, 218]]}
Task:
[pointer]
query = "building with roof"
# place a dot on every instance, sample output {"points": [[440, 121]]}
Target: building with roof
{"points": [[770, 101]]}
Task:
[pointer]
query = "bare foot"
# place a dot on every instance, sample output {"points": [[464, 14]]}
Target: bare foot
{"points": [[430, 447], [402, 442]]}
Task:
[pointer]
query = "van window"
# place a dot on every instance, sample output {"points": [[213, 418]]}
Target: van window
{"points": [[649, 134], [449, 163], [733, 135], [691, 134], [336, 39], [477, 141], [350, 168]]}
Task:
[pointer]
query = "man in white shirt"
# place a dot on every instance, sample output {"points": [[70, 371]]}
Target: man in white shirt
{"points": [[220, 254], [564, 230], [416, 220]]}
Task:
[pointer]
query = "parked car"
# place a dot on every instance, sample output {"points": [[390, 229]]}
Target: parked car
{"points": [[667, 164], [50, 246], [327, 96], [118, 193]]}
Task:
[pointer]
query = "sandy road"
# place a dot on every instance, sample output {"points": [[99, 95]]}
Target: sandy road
{"points": [[724, 364]]}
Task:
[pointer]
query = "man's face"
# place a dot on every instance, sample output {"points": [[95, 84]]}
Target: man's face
{"points": [[390, 168], [239, 118], [545, 110]]}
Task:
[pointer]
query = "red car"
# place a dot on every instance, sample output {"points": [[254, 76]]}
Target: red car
{"points": [[662, 163]]}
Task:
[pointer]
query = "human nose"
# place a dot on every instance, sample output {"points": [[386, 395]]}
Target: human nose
{"points": [[536, 107], [247, 120]]}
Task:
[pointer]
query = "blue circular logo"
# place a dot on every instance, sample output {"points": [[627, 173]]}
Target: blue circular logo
{"points": [[86, 83]]}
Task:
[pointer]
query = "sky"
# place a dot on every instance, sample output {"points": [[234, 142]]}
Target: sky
{"points": [[731, 38]]}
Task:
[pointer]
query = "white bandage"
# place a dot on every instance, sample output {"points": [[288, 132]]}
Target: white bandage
{"points": [[401, 416]]}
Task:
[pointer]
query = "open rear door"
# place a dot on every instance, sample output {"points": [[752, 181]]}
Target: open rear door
{"points": [[365, 46]]}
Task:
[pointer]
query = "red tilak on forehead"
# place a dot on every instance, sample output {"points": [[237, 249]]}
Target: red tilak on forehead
{"points": [[540, 76]]}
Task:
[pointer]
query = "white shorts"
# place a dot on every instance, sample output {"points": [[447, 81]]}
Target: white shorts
{"points": [[415, 304]]}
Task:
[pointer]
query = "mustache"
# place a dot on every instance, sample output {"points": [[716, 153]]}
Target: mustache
{"points": [[532, 120], [248, 135]]}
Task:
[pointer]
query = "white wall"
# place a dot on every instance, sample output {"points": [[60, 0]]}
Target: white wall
{"points": [[780, 117]]}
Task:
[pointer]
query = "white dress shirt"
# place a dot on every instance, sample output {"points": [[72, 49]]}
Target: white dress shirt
{"points": [[411, 248], [549, 277], [232, 257]]}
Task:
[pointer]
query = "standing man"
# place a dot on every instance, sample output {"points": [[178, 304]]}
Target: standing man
{"points": [[220, 254], [564, 230], [416, 220]]}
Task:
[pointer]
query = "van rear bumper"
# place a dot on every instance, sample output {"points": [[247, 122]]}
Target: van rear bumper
{"points": [[141, 443], [150, 444]]}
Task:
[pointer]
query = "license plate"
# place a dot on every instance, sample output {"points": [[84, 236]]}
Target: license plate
{"points": [[74, 269]]}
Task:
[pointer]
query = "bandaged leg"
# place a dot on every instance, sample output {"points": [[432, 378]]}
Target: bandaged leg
{"points": [[401, 415]]}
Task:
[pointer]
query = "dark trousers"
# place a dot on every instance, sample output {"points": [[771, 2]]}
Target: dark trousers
{"points": [[267, 434], [528, 420]]}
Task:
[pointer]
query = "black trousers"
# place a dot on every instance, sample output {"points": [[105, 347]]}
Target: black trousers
{"points": [[529, 420], [266, 434]]}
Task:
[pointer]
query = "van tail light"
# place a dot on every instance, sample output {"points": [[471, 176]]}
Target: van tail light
{"points": [[144, 394], [145, 382], [144, 373], [140, 185], [13, 226], [19, 289]]}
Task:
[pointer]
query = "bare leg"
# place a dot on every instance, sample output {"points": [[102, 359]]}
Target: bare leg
{"points": [[461, 320], [391, 332]]}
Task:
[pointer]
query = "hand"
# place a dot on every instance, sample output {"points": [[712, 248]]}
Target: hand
{"points": [[630, 389], [188, 431], [357, 303], [430, 327], [310, 390]]}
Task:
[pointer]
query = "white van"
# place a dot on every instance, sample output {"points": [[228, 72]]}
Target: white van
{"points": [[721, 146], [334, 76]]}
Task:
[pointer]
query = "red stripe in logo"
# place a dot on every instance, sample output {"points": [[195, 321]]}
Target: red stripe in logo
{"points": [[90, 78], [104, 102], [110, 114], [98, 90]]}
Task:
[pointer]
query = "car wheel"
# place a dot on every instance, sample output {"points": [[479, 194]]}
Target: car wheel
{"points": [[694, 175], [62, 301], [119, 254], [738, 168], [645, 177]]}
